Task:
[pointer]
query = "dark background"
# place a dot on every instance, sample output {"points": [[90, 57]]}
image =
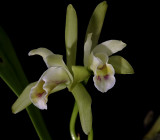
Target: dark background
{"points": [[118, 114]]}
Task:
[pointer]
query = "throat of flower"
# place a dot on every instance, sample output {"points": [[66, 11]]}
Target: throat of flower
{"points": [[102, 71], [41, 100], [42, 96]]}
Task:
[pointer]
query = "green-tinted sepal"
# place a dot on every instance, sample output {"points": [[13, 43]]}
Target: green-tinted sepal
{"points": [[83, 101], [23, 100], [120, 65], [71, 33], [51, 59], [96, 22]]}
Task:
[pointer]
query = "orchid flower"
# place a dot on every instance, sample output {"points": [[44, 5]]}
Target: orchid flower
{"points": [[98, 61], [55, 78], [57, 75]]}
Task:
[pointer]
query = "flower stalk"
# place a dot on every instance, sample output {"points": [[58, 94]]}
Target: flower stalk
{"points": [[74, 115]]}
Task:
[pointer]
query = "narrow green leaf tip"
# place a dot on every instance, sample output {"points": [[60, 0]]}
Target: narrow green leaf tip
{"points": [[96, 22]]}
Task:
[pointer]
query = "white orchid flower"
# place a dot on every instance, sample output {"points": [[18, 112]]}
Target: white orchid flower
{"points": [[56, 76], [97, 61]]}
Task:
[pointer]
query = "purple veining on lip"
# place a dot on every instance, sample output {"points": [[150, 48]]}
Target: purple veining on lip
{"points": [[106, 77], [98, 78]]}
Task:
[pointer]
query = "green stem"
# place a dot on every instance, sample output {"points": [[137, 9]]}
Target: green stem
{"points": [[72, 123], [90, 136]]}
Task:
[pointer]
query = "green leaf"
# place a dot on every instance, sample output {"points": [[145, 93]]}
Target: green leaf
{"points": [[80, 74], [10, 69], [83, 101], [71, 33], [120, 65], [23, 100], [11, 72], [38, 122], [96, 22]]}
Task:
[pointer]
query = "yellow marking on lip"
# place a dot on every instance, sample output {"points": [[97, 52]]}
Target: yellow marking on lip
{"points": [[102, 71]]}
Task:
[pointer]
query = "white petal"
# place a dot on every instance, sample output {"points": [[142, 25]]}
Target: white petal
{"points": [[87, 49], [57, 61], [50, 79], [104, 77], [109, 47], [94, 62], [104, 83], [38, 95], [111, 70], [55, 76], [41, 102], [102, 56], [42, 52], [49, 57]]}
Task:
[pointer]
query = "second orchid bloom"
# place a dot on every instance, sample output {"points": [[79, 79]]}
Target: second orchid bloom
{"points": [[97, 59]]}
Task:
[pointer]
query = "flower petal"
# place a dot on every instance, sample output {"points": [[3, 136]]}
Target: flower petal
{"points": [[121, 65], [83, 100], [102, 56], [106, 69], [38, 94], [96, 22], [42, 52], [87, 49], [55, 60], [94, 62], [50, 79], [51, 59], [71, 35], [104, 83], [104, 78], [109, 47], [23, 100]]}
